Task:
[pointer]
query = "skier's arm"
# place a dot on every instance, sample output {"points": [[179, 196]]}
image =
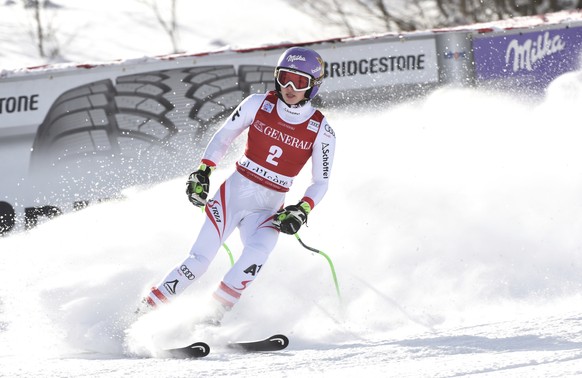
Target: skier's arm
{"points": [[322, 161], [289, 219], [198, 182], [236, 123]]}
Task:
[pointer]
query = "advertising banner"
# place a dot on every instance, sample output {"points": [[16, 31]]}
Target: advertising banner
{"points": [[380, 64], [533, 58], [75, 135]]}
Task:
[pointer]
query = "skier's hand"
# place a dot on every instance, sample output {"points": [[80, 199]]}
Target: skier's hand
{"points": [[289, 219], [198, 184]]}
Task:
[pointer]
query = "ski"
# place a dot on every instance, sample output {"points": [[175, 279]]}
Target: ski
{"points": [[195, 350], [270, 344], [201, 349]]}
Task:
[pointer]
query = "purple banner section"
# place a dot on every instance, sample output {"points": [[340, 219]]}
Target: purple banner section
{"points": [[534, 58]]}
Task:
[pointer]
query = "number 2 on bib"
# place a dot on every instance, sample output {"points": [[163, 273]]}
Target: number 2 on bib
{"points": [[275, 152]]}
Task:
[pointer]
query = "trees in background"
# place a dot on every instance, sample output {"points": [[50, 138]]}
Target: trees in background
{"points": [[166, 18], [41, 30], [377, 16], [355, 17], [473, 11]]}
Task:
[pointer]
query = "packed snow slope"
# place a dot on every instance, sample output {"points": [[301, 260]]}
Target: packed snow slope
{"points": [[453, 222]]}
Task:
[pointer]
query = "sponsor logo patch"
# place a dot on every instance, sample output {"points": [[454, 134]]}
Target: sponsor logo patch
{"points": [[313, 126], [189, 275], [267, 106], [329, 130], [171, 286]]}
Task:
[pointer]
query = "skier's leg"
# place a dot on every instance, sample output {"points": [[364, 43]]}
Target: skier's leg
{"points": [[259, 238], [217, 226]]}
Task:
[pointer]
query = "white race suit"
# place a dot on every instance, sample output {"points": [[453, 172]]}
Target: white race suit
{"points": [[280, 141]]}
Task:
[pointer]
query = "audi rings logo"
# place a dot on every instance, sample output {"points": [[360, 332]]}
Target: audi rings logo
{"points": [[329, 130], [187, 272]]}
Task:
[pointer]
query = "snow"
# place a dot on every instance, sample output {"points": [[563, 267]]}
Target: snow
{"points": [[452, 221], [456, 248]]}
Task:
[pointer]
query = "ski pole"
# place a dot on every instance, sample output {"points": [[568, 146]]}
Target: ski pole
{"points": [[229, 253], [337, 289]]}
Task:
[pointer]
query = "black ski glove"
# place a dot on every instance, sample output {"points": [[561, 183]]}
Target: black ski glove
{"points": [[289, 219], [198, 184]]}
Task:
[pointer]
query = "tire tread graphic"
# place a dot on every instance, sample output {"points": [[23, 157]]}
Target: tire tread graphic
{"points": [[143, 127]]}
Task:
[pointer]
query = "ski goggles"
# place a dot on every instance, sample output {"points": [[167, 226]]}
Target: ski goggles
{"points": [[298, 80]]}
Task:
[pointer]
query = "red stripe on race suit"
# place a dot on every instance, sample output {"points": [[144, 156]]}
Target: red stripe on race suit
{"points": [[159, 295], [309, 201], [229, 291], [209, 163], [222, 215], [268, 223], [223, 199], [151, 302]]}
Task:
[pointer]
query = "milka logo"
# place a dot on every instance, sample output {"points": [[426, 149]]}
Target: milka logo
{"points": [[293, 58], [524, 56]]}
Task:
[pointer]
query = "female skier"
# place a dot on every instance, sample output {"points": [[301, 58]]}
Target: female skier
{"points": [[285, 130]]}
